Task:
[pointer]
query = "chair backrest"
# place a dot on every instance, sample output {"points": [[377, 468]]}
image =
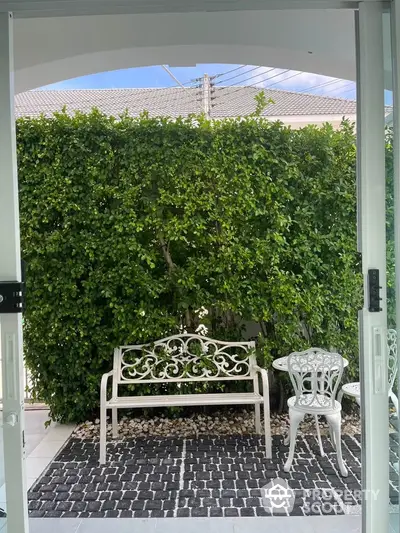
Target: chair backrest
{"points": [[183, 358], [392, 356], [315, 375]]}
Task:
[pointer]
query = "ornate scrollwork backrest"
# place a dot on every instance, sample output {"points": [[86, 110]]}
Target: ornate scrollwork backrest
{"points": [[392, 356], [315, 375], [185, 358]]}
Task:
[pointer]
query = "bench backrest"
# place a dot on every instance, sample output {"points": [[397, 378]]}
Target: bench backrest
{"points": [[183, 358]]}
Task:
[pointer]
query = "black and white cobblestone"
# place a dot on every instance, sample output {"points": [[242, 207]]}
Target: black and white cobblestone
{"points": [[168, 477]]}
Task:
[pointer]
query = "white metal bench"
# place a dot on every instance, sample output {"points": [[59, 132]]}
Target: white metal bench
{"points": [[183, 359]]}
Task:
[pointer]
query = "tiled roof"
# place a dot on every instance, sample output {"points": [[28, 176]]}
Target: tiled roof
{"points": [[226, 102]]}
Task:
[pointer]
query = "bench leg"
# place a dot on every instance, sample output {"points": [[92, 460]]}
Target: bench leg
{"points": [[267, 429], [267, 420], [115, 423], [258, 418], [103, 436]]}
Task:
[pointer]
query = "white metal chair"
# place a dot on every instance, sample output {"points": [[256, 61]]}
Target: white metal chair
{"points": [[315, 375], [354, 390]]}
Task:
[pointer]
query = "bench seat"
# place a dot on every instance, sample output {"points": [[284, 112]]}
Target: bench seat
{"points": [[180, 400]]}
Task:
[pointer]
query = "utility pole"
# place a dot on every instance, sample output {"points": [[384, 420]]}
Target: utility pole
{"points": [[207, 95]]}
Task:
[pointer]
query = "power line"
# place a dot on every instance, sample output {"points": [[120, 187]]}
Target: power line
{"points": [[239, 75], [266, 79], [339, 88], [350, 90], [228, 72], [281, 81], [191, 81], [331, 82], [253, 85], [256, 85]]}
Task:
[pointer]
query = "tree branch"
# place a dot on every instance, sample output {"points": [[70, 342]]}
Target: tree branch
{"points": [[166, 253]]}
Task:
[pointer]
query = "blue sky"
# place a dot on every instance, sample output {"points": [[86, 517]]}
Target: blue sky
{"points": [[156, 76]]}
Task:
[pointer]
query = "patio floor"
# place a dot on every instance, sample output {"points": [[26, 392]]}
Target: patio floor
{"points": [[315, 524], [206, 477]]}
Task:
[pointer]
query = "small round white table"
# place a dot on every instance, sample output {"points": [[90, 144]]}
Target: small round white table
{"points": [[281, 363]]}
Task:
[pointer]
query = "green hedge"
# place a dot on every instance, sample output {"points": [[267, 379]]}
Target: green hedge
{"points": [[129, 226], [390, 252]]}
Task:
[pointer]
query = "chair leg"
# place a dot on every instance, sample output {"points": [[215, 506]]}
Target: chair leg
{"points": [[332, 436], [395, 402], [103, 436], [295, 418], [340, 396], [115, 423], [335, 421], [321, 448], [286, 438], [258, 418]]}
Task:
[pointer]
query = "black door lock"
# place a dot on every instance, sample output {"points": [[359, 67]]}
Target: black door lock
{"points": [[12, 294], [374, 288]]}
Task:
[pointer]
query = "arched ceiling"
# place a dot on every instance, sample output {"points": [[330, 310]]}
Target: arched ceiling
{"points": [[53, 49]]}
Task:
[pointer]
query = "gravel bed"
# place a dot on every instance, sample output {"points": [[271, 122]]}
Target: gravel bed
{"points": [[226, 422]]}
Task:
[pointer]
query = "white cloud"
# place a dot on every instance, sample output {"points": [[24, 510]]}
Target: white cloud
{"points": [[292, 80]]}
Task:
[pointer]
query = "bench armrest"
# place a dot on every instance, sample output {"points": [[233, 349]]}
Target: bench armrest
{"points": [[265, 379], [103, 386], [262, 371]]}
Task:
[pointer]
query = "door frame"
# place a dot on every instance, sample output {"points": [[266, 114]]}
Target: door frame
{"points": [[371, 222], [10, 270]]}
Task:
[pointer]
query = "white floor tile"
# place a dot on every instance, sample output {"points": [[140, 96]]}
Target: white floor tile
{"points": [[394, 521], [196, 525], [35, 466], [35, 422], [31, 441], [59, 433], [46, 449], [327, 524], [297, 524], [126, 525], [29, 482], [2, 494], [51, 525]]}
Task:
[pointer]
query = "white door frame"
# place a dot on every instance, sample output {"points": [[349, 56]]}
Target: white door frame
{"points": [[371, 171], [372, 244], [10, 270]]}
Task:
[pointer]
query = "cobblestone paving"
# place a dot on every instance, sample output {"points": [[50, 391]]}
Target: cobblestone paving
{"points": [[167, 477]]}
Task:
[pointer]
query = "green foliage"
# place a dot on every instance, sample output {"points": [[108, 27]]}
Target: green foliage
{"points": [[261, 103], [390, 237], [129, 226], [321, 281]]}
